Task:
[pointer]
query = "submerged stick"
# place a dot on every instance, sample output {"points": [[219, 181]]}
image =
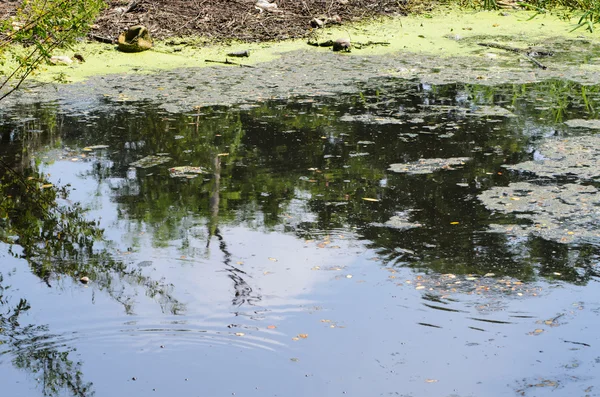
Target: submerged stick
{"points": [[525, 53], [535, 61], [501, 47], [228, 62]]}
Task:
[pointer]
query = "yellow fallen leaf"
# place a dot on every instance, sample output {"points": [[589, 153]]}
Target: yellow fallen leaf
{"points": [[369, 199], [271, 327], [273, 259], [223, 154], [303, 336], [538, 331], [420, 287], [295, 338], [454, 223], [431, 380], [239, 334]]}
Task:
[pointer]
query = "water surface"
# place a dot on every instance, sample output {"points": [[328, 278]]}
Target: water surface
{"points": [[308, 246]]}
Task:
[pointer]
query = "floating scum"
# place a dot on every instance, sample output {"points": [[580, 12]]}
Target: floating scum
{"points": [[564, 213]]}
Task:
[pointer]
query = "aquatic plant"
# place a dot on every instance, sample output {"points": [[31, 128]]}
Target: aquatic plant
{"points": [[588, 11], [40, 27]]}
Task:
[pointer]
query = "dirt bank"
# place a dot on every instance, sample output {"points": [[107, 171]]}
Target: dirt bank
{"points": [[234, 19]]}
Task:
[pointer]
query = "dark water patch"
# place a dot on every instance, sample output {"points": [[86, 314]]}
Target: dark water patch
{"points": [[487, 320], [447, 309], [430, 325]]}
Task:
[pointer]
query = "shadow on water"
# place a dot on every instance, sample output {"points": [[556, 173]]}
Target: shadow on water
{"points": [[317, 169]]}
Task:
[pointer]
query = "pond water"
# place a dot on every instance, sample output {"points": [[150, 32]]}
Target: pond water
{"points": [[316, 246]]}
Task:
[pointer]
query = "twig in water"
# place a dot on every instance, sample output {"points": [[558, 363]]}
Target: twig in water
{"points": [[228, 62]]}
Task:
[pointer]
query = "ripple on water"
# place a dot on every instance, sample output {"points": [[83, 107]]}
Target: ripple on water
{"points": [[145, 335]]}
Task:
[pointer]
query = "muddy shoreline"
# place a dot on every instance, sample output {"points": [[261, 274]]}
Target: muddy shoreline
{"points": [[294, 74], [445, 48]]}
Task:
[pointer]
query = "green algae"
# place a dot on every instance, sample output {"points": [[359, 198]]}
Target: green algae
{"points": [[447, 33]]}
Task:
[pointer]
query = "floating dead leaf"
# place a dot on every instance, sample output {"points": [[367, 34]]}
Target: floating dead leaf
{"points": [[271, 327], [95, 147], [316, 268], [150, 161], [295, 338], [538, 331], [420, 287], [84, 280], [321, 245], [272, 259], [348, 276], [431, 380], [239, 334], [186, 171], [369, 199], [515, 198], [454, 223], [303, 336], [239, 263]]}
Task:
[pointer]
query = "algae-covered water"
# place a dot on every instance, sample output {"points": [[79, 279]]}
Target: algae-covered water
{"points": [[322, 224]]}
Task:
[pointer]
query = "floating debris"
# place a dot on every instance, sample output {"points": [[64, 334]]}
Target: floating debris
{"points": [[558, 213], [150, 161], [489, 111], [186, 171], [370, 119], [573, 157], [94, 147], [445, 285], [428, 166], [579, 123], [400, 223]]}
